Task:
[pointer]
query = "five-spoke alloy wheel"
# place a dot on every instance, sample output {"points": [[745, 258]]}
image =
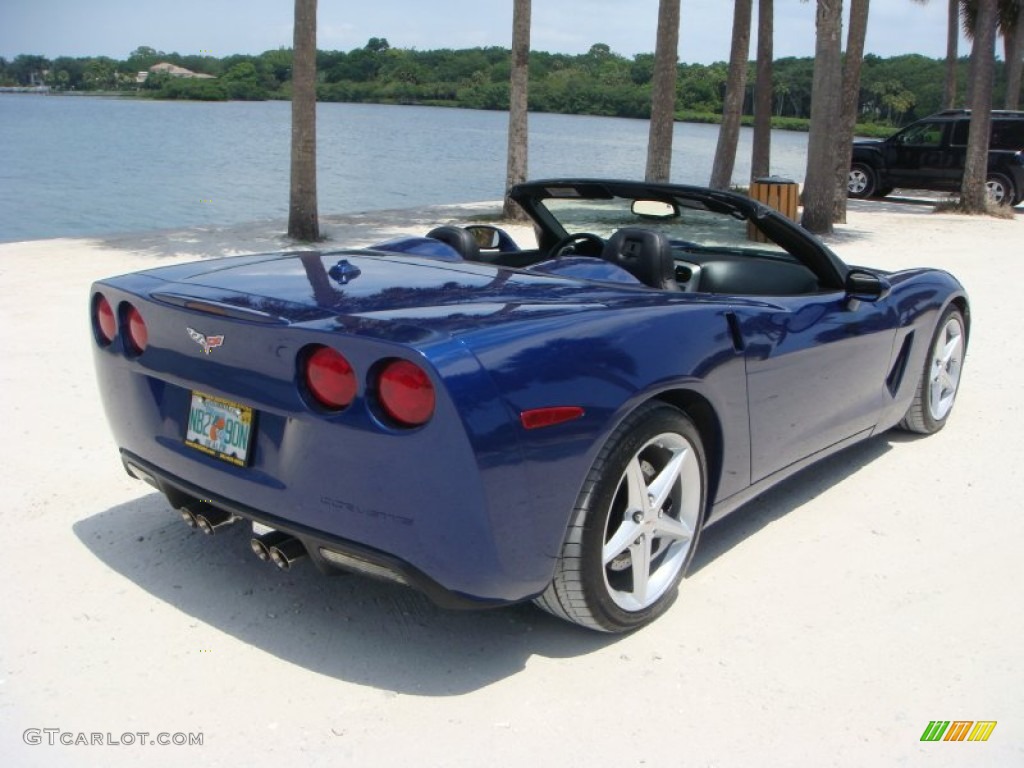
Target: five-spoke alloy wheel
{"points": [[635, 526], [940, 380]]}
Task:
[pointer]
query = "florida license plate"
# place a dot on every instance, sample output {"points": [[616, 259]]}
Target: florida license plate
{"points": [[220, 428]]}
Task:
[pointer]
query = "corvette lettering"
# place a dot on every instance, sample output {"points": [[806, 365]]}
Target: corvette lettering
{"points": [[373, 513], [208, 343]]}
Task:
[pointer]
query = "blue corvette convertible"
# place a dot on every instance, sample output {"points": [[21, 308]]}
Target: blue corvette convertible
{"points": [[491, 424]]}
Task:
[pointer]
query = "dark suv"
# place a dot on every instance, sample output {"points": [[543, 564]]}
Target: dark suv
{"points": [[930, 153]]}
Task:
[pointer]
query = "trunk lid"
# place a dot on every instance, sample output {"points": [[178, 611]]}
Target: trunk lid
{"points": [[314, 286]]}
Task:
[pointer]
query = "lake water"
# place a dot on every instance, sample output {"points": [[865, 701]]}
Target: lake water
{"points": [[79, 166]]}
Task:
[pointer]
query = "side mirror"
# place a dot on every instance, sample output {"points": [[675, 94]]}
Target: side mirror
{"points": [[490, 238], [863, 285]]}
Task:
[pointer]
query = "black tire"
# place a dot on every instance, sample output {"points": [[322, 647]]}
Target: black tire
{"points": [[939, 382], [862, 182], [596, 579], [1000, 189], [883, 192]]}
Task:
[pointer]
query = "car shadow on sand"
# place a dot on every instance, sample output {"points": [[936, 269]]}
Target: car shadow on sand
{"points": [[789, 495], [373, 633], [345, 626]]}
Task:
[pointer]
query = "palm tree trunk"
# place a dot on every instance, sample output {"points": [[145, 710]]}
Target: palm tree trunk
{"points": [[973, 194], [952, 55], [518, 135], [663, 93], [819, 181], [850, 103], [1014, 40], [735, 92], [760, 161], [303, 220]]}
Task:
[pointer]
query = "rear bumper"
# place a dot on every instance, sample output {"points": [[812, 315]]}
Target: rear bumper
{"points": [[327, 551], [446, 504]]}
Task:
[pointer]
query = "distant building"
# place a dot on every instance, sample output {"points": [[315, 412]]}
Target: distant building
{"points": [[173, 70]]}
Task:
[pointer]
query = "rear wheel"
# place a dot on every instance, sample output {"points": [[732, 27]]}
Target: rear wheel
{"points": [[635, 526], [940, 379], [1000, 189], [862, 181]]}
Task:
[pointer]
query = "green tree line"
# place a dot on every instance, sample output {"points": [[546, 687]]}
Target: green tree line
{"points": [[893, 90]]}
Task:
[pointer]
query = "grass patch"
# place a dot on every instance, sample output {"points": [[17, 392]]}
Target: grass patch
{"points": [[861, 130], [991, 209]]}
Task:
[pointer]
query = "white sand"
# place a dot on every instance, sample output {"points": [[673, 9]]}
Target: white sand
{"points": [[825, 624]]}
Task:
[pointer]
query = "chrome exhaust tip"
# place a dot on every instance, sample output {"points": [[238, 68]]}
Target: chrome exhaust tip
{"points": [[284, 554], [205, 517], [261, 544]]}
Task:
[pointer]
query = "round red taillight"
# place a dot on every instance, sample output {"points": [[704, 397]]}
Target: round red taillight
{"points": [[330, 378], [406, 393], [138, 335], [105, 322]]}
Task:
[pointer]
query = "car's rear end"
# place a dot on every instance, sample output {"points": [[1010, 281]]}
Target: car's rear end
{"points": [[1006, 151], [337, 408]]}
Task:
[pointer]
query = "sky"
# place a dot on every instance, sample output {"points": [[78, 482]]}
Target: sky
{"points": [[223, 27]]}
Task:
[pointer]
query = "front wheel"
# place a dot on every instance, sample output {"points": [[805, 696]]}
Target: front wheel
{"points": [[635, 526], [940, 380], [862, 180]]}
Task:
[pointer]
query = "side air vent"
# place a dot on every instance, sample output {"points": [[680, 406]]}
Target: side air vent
{"points": [[899, 366]]}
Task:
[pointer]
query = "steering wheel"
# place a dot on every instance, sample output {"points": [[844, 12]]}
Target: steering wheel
{"points": [[563, 246]]}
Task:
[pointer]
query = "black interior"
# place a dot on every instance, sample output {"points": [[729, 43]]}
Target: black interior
{"points": [[656, 262]]}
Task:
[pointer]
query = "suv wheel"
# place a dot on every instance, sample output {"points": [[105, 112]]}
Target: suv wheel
{"points": [[862, 181], [1000, 189]]}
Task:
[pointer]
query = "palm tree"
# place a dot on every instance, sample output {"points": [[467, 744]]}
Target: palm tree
{"points": [[760, 161], [735, 92], [1013, 41], [663, 93], [819, 181], [952, 50], [1008, 13], [973, 192], [952, 53], [303, 221], [518, 137], [849, 103]]}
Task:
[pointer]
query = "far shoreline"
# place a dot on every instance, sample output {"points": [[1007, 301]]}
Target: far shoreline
{"points": [[794, 124]]}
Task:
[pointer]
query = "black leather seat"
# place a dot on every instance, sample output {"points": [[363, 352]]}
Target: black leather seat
{"points": [[459, 239], [645, 254]]}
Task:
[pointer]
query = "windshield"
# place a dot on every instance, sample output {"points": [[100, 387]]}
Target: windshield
{"points": [[687, 223]]}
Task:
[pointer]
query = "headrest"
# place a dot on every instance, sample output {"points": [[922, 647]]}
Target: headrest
{"points": [[645, 254], [459, 239]]}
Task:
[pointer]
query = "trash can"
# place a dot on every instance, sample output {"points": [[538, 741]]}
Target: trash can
{"points": [[781, 194]]}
